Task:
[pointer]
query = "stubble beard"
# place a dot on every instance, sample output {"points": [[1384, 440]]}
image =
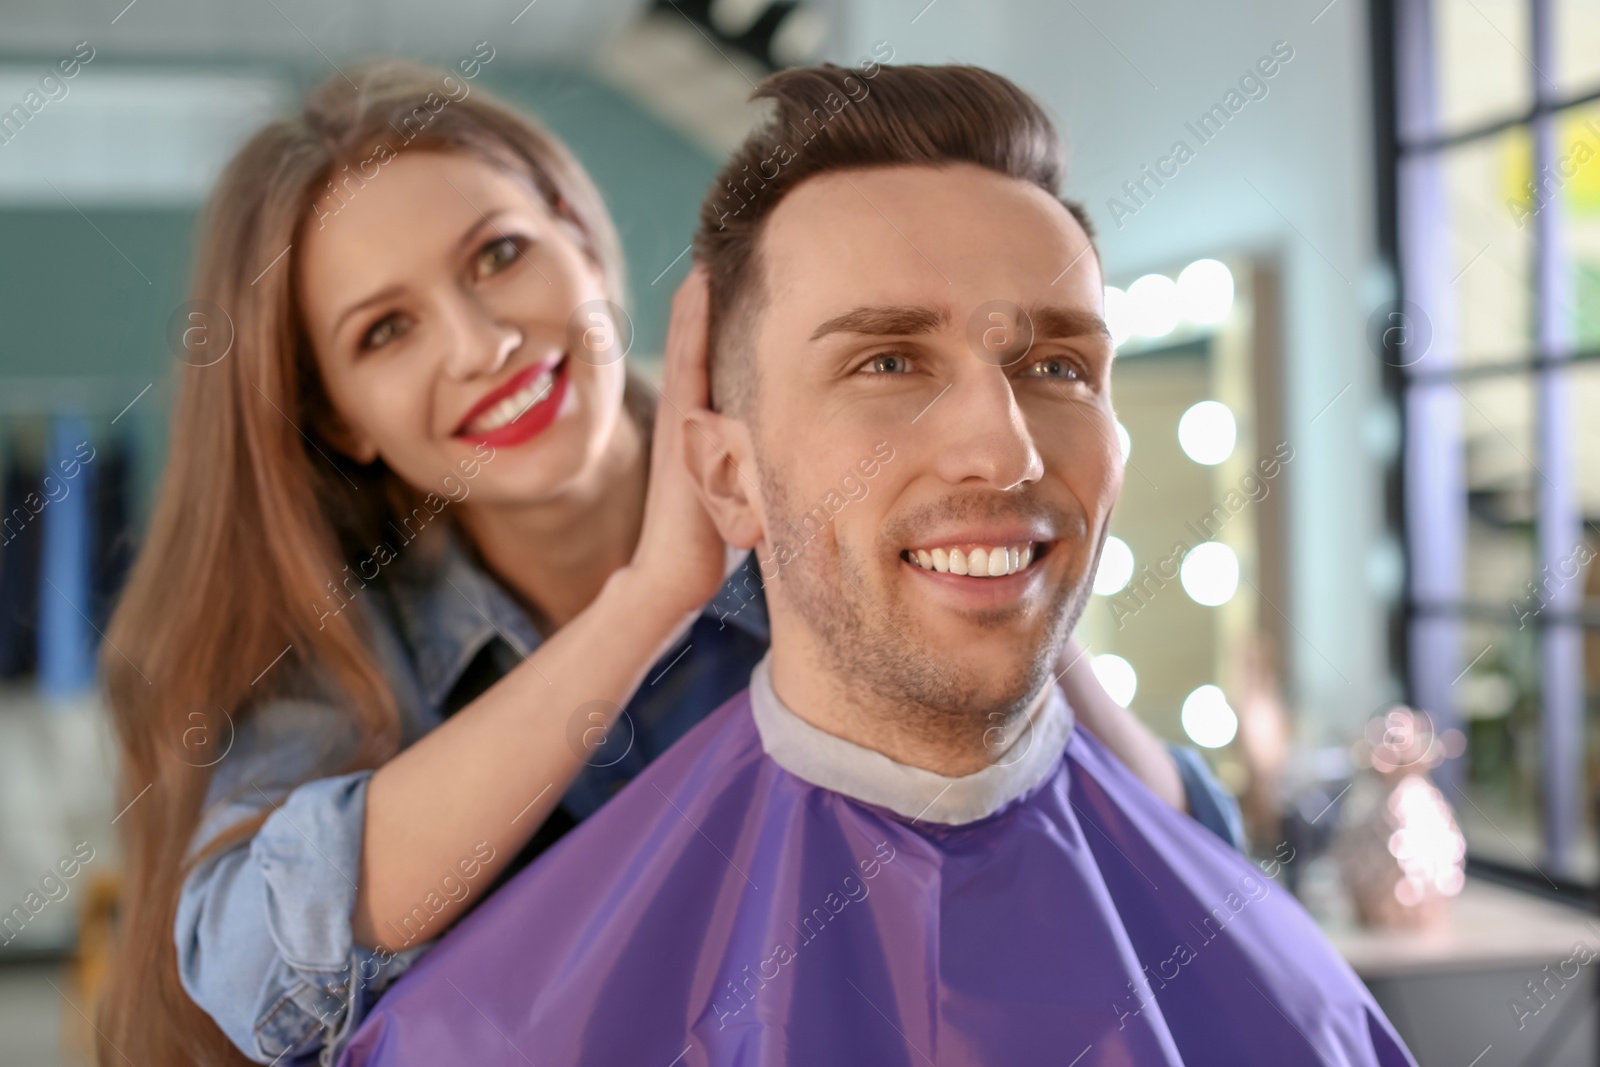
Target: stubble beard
{"points": [[870, 639]]}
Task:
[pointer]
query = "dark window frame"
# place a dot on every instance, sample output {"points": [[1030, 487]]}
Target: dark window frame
{"points": [[1426, 627]]}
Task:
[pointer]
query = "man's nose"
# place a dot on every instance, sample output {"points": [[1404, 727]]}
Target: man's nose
{"points": [[479, 343], [982, 433]]}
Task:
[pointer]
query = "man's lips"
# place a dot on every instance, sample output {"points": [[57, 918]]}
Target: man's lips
{"points": [[981, 550], [510, 400]]}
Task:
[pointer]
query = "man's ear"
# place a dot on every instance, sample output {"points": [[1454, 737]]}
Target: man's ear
{"points": [[721, 462]]}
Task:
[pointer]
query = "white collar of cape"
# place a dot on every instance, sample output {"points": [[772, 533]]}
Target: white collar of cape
{"points": [[831, 762]]}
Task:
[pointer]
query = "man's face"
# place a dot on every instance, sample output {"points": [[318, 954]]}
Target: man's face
{"points": [[888, 327]]}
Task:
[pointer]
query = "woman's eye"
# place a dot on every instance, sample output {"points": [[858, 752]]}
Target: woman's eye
{"points": [[1055, 368], [382, 332], [496, 256], [888, 363]]}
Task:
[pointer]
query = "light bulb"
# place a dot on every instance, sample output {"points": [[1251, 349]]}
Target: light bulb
{"points": [[1205, 292], [1116, 567], [1210, 574], [1154, 300], [1119, 315], [1207, 718], [1207, 432], [1116, 676]]}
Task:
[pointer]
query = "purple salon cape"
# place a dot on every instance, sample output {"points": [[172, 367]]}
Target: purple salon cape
{"points": [[723, 910]]}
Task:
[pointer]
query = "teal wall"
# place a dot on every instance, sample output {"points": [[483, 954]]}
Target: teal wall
{"points": [[71, 305]]}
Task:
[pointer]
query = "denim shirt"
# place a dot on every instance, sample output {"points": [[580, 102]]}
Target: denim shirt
{"points": [[264, 928]]}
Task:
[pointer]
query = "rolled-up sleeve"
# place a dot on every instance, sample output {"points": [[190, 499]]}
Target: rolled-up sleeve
{"points": [[263, 929]]}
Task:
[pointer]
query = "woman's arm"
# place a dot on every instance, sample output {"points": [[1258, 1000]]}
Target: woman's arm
{"points": [[263, 929], [1132, 742], [1178, 776], [497, 768]]}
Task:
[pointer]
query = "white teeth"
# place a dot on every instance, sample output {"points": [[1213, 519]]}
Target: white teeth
{"points": [[514, 406], [981, 562]]}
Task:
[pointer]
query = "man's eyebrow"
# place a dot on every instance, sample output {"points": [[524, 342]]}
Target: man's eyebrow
{"points": [[1055, 321], [885, 320]]}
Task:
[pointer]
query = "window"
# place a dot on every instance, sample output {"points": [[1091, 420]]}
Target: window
{"points": [[1495, 351]]}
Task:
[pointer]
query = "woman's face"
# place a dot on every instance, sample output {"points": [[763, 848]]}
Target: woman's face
{"points": [[438, 300]]}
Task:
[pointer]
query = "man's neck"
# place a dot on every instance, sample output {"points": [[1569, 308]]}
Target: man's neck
{"points": [[847, 709]]}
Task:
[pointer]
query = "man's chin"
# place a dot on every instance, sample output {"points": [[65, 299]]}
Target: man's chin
{"points": [[980, 672]]}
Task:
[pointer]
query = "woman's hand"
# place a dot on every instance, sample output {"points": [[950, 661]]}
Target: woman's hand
{"points": [[680, 552], [515, 741]]}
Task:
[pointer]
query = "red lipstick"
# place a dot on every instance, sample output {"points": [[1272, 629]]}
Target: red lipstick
{"points": [[529, 422]]}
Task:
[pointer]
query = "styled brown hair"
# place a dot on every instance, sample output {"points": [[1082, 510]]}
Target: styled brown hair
{"points": [[830, 118], [255, 518]]}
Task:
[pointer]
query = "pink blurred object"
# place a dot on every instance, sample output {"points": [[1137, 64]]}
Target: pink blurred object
{"points": [[1399, 848]]}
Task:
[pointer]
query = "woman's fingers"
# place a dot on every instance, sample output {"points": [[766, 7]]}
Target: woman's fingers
{"points": [[685, 382]]}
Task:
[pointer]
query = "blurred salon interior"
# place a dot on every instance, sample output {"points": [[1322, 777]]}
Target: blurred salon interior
{"points": [[1352, 258]]}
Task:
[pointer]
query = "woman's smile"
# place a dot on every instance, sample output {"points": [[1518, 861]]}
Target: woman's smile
{"points": [[520, 409]]}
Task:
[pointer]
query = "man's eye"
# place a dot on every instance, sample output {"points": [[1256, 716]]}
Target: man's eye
{"points": [[383, 331], [496, 256], [888, 363], [1060, 369]]}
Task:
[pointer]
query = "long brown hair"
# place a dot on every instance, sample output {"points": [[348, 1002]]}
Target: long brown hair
{"points": [[257, 513]]}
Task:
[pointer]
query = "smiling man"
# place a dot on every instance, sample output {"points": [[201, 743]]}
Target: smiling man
{"points": [[896, 848]]}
